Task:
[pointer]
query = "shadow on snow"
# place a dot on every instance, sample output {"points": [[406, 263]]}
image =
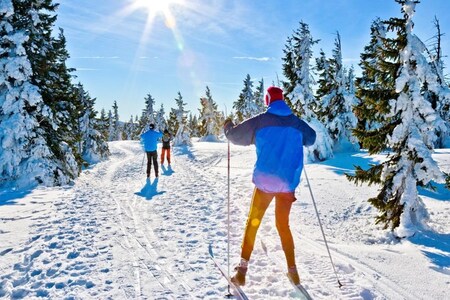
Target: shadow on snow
{"points": [[167, 171], [10, 196], [184, 150], [149, 190], [437, 249], [345, 162], [441, 192]]}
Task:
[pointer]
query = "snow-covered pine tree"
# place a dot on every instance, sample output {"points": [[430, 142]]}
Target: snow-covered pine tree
{"points": [[25, 160], [182, 136], [93, 147], [193, 125], [299, 94], [335, 108], [245, 106], [406, 128], [259, 96], [160, 119], [111, 129], [48, 56], [172, 123], [129, 129], [103, 125], [439, 100], [149, 111], [209, 118], [115, 129]]}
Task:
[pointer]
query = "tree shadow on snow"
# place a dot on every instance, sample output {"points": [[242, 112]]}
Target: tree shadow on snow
{"points": [[10, 196], [183, 150], [345, 162], [167, 171], [437, 251], [150, 190], [441, 192]]}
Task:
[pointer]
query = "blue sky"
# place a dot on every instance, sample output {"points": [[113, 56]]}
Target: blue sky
{"points": [[123, 51]]}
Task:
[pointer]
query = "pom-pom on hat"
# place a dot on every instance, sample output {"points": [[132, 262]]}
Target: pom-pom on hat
{"points": [[273, 93]]}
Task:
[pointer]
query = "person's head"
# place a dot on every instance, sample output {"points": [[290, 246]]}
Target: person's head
{"points": [[273, 94], [152, 126], [166, 131]]}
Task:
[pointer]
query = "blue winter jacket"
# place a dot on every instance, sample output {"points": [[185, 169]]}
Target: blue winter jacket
{"points": [[279, 137], [149, 140]]}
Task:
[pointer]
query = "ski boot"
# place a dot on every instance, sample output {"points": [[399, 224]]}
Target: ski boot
{"points": [[293, 275], [241, 271]]}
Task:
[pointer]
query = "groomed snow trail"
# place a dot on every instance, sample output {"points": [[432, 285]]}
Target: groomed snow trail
{"points": [[116, 235]]}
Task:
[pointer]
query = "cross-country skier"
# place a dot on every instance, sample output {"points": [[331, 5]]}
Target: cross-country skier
{"points": [[279, 137], [165, 151], [149, 141]]}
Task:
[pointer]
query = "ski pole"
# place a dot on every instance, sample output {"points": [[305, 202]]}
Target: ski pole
{"points": [[228, 207], [228, 229], [321, 227]]}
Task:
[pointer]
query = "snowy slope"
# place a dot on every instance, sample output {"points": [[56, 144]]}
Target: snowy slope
{"points": [[112, 235]]}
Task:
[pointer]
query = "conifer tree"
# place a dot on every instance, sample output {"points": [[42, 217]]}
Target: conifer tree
{"points": [[103, 124], [259, 96], [245, 106], [48, 55], [182, 136], [115, 132], [160, 119], [25, 159], [440, 100], [129, 129], [149, 112], [335, 108], [374, 86], [406, 128], [92, 146], [111, 128], [209, 118], [299, 94], [194, 126]]}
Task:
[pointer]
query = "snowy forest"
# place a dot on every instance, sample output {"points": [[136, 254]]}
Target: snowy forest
{"points": [[399, 104]]}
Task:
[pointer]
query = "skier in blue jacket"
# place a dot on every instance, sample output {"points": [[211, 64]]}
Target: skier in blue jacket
{"points": [[279, 137], [149, 141]]}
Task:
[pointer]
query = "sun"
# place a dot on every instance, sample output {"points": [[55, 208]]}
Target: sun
{"points": [[154, 6]]}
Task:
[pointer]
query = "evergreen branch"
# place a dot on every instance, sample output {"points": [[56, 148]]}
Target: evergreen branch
{"points": [[371, 175]]}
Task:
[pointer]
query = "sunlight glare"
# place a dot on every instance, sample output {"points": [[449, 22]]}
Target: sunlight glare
{"points": [[154, 6]]}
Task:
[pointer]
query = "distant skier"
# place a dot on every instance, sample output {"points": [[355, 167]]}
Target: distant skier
{"points": [[166, 139], [279, 137], [149, 140]]}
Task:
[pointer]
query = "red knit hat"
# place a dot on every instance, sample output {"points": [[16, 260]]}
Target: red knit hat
{"points": [[273, 94]]}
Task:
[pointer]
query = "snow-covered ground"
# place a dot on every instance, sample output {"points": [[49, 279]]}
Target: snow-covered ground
{"points": [[114, 235]]}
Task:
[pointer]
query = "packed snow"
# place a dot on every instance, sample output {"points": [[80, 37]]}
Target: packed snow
{"points": [[115, 235]]}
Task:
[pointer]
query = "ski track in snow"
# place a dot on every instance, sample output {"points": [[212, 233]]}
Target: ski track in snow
{"points": [[114, 235]]}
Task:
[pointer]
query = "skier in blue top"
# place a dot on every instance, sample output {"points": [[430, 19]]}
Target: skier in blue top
{"points": [[149, 140], [279, 137]]}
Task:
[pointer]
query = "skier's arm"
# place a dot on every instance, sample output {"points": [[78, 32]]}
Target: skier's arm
{"points": [[241, 134], [309, 135]]}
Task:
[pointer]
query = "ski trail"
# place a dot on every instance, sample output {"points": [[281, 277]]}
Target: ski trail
{"points": [[150, 277]]}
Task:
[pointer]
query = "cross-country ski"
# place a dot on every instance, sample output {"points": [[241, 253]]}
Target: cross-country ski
{"points": [[238, 292]]}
